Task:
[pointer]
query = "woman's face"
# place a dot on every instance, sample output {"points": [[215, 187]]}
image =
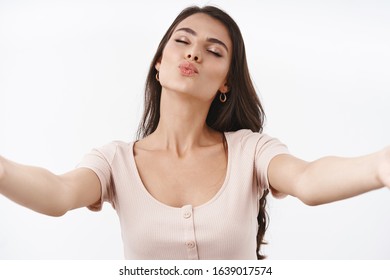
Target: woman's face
{"points": [[196, 59]]}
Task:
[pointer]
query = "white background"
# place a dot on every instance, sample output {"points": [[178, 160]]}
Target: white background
{"points": [[72, 75]]}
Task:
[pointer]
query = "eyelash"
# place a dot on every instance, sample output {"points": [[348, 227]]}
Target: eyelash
{"points": [[186, 43], [181, 41], [215, 53]]}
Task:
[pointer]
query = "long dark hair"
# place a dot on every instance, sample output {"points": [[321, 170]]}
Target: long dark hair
{"points": [[242, 109]]}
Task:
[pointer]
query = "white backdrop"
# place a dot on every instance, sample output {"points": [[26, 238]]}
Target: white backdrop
{"points": [[72, 76]]}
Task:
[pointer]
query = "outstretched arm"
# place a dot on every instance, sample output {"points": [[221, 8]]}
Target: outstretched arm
{"points": [[330, 178], [45, 192]]}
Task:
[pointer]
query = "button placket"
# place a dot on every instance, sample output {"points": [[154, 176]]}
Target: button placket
{"points": [[190, 241]]}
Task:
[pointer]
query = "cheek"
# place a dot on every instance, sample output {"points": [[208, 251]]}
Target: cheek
{"points": [[171, 50], [219, 72], [169, 58]]}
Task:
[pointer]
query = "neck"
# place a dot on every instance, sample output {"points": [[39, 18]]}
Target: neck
{"points": [[182, 125]]}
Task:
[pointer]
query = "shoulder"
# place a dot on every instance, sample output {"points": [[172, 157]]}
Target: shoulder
{"points": [[247, 136], [242, 135], [112, 150], [247, 141]]}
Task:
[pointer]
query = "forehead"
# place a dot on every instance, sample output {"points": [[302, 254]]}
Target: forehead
{"points": [[205, 25]]}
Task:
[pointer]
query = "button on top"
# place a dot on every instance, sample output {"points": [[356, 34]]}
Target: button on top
{"points": [[190, 244], [187, 215]]}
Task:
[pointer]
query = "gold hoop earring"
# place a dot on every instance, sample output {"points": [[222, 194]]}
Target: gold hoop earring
{"points": [[222, 97], [157, 76]]}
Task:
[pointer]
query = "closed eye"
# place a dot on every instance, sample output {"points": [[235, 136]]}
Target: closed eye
{"points": [[215, 53], [181, 41]]}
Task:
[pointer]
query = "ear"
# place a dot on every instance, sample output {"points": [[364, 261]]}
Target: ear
{"points": [[158, 64], [224, 88]]}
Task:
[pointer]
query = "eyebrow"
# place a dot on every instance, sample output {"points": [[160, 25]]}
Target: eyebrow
{"points": [[211, 40]]}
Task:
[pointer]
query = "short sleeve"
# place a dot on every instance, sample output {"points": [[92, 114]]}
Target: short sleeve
{"points": [[266, 149], [100, 161]]}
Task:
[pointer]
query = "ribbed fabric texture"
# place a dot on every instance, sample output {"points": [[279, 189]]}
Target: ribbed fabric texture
{"points": [[223, 228]]}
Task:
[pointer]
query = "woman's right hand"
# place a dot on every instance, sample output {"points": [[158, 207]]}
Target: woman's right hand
{"points": [[45, 192], [384, 167], [1, 169]]}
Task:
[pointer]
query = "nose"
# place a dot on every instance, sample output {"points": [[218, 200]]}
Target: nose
{"points": [[193, 57], [194, 54]]}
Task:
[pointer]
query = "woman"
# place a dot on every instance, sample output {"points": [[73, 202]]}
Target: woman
{"points": [[194, 185]]}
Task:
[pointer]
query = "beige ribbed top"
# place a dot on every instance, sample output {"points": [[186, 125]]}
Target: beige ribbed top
{"points": [[225, 227]]}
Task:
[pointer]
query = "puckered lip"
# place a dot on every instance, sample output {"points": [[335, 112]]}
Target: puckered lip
{"points": [[188, 68]]}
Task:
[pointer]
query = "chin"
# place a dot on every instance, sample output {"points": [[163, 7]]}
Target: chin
{"points": [[188, 92]]}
